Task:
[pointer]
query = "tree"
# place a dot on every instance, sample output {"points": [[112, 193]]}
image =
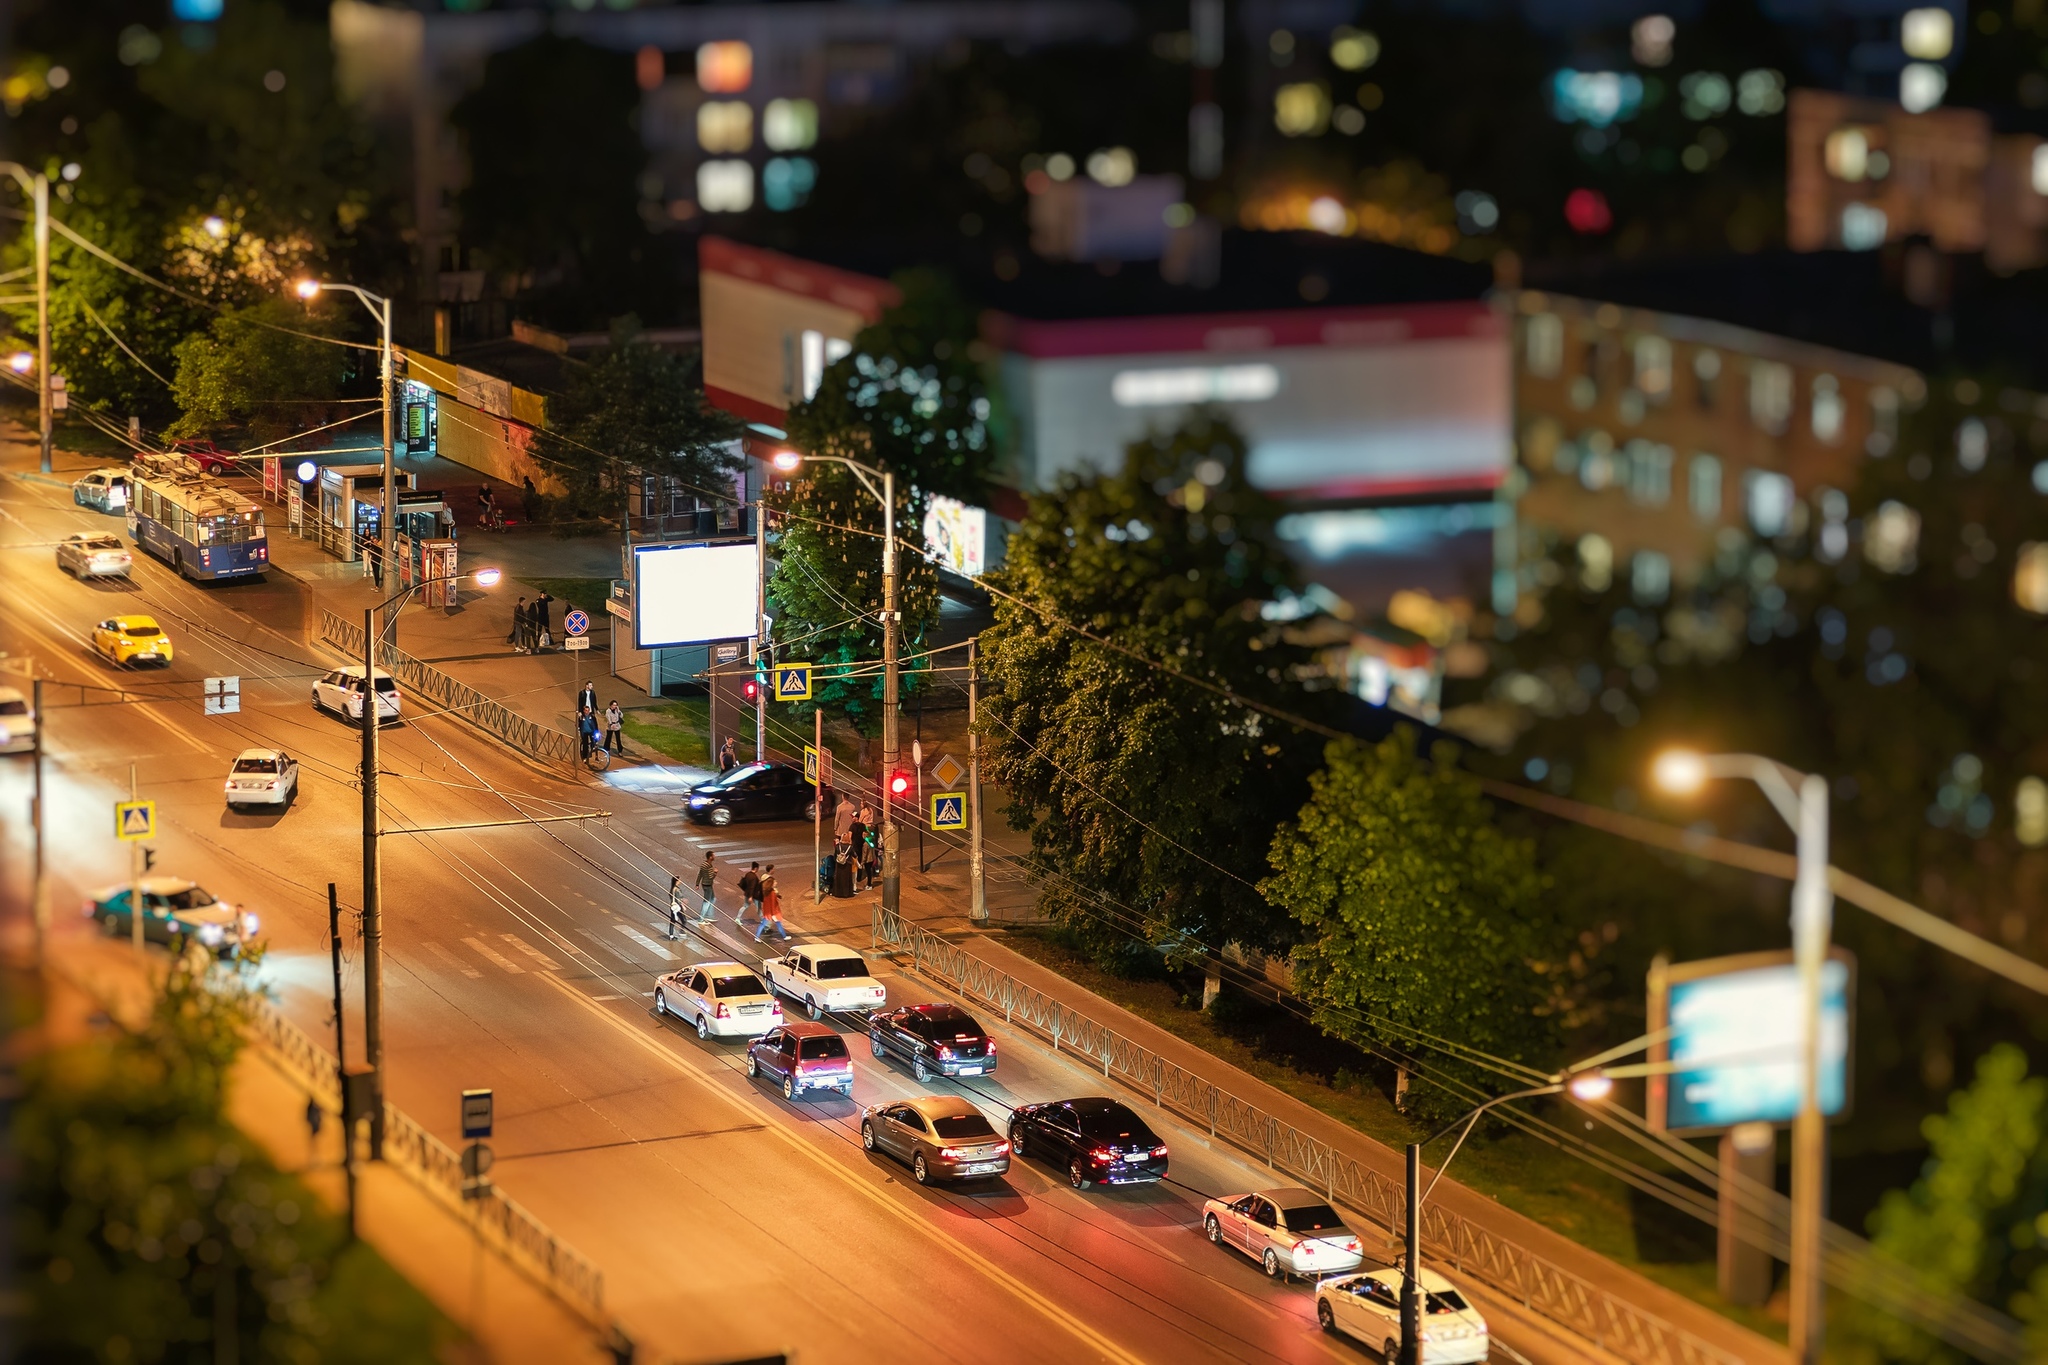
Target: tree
{"points": [[242, 373], [1976, 1222], [636, 407], [1150, 798], [1421, 918]]}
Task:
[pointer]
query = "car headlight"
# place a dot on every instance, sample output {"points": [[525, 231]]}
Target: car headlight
{"points": [[249, 922], [210, 934], [700, 800]]}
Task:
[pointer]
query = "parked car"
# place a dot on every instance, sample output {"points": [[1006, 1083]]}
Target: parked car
{"points": [[1368, 1307], [210, 458], [175, 912], [825, 977], [104, 490], [342, 693], [943, 1137], [262, 777], [1096, 1139], [1287, 1231], [131, 640], [803, 1057], [17, 722], [752, 791], [937, 1040], [94, 554], [723, 999]]}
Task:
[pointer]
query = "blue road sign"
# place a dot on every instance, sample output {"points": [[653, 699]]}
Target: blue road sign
{"points": [[949, 810], [792, 682], [577, 622]]}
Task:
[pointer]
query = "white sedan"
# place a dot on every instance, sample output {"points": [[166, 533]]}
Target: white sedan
{"points": [[722, 999], [17, 722], [94, 554], [262, 777], [1287, 1231], [825, 977], [1368, 1307]]}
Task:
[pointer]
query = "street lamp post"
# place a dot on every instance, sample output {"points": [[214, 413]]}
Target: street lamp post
{"points": [[1802, 800], [38, 187], [789, 461], [373, 865], [380, 309]]}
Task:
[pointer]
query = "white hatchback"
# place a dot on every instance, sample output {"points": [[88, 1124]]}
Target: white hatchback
{"points": [[722, 999], [262, 777], [1368, 1307], [825, 977], [342, 693]]}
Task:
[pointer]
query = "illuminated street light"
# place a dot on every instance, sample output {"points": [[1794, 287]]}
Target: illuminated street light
{"points": [[1680, 772], [308, 289], [788, 461], [21, 362], [308, 471], [488, 578]]}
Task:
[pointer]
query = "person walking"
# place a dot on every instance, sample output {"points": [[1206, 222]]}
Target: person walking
{"points": [[614, 728], [486, 506], [586, 700], [842, 817], [675, 907], [842, 872], [707, 886], [529, 496], [750, 893], [517, 637], [444, 523], [771, 907], [728, 758], [857, 839]]}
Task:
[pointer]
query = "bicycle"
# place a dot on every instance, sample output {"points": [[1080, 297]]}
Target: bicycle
{"points": [[599, 758]]}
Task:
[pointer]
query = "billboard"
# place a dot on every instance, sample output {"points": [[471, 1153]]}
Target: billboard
{"points": [[691, 594], [1734, 1047], [956, 535]]}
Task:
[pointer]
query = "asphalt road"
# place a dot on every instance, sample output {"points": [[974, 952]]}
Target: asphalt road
{"points": [[729, 1223]]}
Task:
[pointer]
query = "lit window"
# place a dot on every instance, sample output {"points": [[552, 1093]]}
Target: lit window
{"points": [[1828, 409], [1759, 93], [1649, 473], [1891, 538], [1973, 443], [1884, 420], [1703, 94], [1703, 487], [1928, 34], [1596, 562], [1649, 576], [1706, 375], [1301, 109], [725, 126], [2030, 812], [725, 186], [1112, 166], [2039, 177], [725, 68], [1353, 49], [1921, 86], [787, 181], [789, 125], [1595, 98], [1770, 394], [1204, 384], [1649, 40], [1653, 366], [1768, 498], [819, 354], [1543, 343], [1864, 227], [1847, 153]]}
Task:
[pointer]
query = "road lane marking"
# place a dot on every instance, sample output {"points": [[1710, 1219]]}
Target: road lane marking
{"points": [[494, 957], [645, 942], [1107, 1348], [536, 954], [449, 959]]}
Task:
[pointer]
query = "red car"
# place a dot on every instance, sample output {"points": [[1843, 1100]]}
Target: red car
{"points": [[210, 458]]}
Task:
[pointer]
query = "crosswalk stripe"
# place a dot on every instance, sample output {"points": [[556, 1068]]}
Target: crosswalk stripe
{"points": [[536, 954], [451, 960], [494, 957], [645, 942]]}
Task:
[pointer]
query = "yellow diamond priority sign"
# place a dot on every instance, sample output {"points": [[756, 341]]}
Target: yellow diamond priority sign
{"points": [[135, 821]]}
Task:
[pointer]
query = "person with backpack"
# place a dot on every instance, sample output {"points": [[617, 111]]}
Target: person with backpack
{"points": [[750, 893], [614, 727], [771, 907]]}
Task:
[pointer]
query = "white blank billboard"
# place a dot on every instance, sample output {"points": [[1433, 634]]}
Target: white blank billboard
{"points": [[691, 594]]}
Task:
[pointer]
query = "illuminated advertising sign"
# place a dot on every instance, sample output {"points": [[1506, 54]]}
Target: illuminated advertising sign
{"points": [[693, 594], [1735, 1037], [956, 536]]}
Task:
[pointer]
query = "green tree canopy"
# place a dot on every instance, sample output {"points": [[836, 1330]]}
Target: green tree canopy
{"points": [[1150, 799], [242, 374], [1420, 917]]}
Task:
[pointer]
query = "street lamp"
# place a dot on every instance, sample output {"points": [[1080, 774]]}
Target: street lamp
{"points": [[380, 309], [789, 461], [37, 186], [373, 868], [1802, 800], [1585, 1082]]}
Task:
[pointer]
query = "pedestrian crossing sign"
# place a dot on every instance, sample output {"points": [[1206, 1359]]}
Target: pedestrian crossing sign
{"points": [[135, 821], [949, 810], [792, 682], [810, 765]]}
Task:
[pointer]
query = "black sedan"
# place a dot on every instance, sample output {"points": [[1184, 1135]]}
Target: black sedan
{"points": [[752, 791], [1096, 1139], [937, 1040]]}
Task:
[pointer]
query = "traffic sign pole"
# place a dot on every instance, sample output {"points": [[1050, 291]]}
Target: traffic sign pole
{"points": [[977, 904], [818, 806], [135, 906]]}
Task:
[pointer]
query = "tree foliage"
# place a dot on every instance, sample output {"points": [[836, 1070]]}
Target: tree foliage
{"points": [[637, 408], [1420, 917], [1150, 799], [243, 374]]}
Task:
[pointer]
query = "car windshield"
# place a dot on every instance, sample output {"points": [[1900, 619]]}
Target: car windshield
{"points": [[835, 1046], [191, 898], [963, 1126], [387, 684], [1114, 1122], [255, 765], [148, 632], [102, 543], [13, 708], [726, 987], [840, 968], [1313, 1218], [948, 1021], [725, 781], [1447, 1301]]}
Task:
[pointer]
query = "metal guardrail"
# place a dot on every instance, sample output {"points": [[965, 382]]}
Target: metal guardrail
{"points": [[457, 698], [1537, 1284], [436, 1166]]}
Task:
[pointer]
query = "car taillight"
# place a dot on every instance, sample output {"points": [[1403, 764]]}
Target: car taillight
{"points": [[1103, 1153], [1002, 1149], [1160, 1150], [1351, 1245], [723, 1013], [945, 1051], [989, 1046]]}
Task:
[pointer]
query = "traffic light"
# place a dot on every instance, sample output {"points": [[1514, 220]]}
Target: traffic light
{"points": [[750, 690], [899, 782]]}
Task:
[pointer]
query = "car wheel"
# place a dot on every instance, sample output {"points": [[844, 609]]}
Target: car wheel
{"points": [[660, 1003], [1214, 1229], [112, 923], [811, 811], [1271, 1260], [1017, 1140], [811, 1007], [721, 816], [1077, 1175], [875, 1046], [753, 1067], [919, 1171], [1326, 1316], [789, 1087], [920, 1070], [867, 1138], [703, 1027], [1390, 1351]]}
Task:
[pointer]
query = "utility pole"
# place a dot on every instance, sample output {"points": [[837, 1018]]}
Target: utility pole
{"points": [[45, 404], [387, 536], [136, 909], [40, 909], [373, 888], [1812, 916], [818, 805], [761, 645], [1411, 1269], [977, 905], [348, 1128], [892, 867]]}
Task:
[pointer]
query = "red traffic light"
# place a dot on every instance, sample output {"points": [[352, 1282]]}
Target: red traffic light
{"points": [[899, 783], [751, 689]]}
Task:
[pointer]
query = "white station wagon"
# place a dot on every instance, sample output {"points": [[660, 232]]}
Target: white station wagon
{"points": [[342, 693], [722, 999], [1368, 1307], [825, 976]]}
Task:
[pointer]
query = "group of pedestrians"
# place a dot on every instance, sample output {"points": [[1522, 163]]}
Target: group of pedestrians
{"points": [[855, 863], [759, 893], [599, 729], [532, 625]]}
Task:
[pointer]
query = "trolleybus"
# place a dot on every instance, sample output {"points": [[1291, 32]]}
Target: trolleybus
{"points": [[193, 522]]}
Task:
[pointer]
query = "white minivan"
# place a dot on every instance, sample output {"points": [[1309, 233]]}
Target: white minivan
{"points": [[342, 693]]}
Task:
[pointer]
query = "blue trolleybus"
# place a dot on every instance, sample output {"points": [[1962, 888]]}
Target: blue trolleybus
{"points": [[193, 522]]}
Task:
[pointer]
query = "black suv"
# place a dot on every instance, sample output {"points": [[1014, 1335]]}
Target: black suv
{"points": [[937, 1040], [752, 791], [1096, 1138]]}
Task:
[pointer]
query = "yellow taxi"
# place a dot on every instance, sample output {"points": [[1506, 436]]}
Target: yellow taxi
{"points": [[131, 640]]}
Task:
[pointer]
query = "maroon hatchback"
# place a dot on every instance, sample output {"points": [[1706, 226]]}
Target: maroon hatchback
{"points": [[802, 1057]]}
